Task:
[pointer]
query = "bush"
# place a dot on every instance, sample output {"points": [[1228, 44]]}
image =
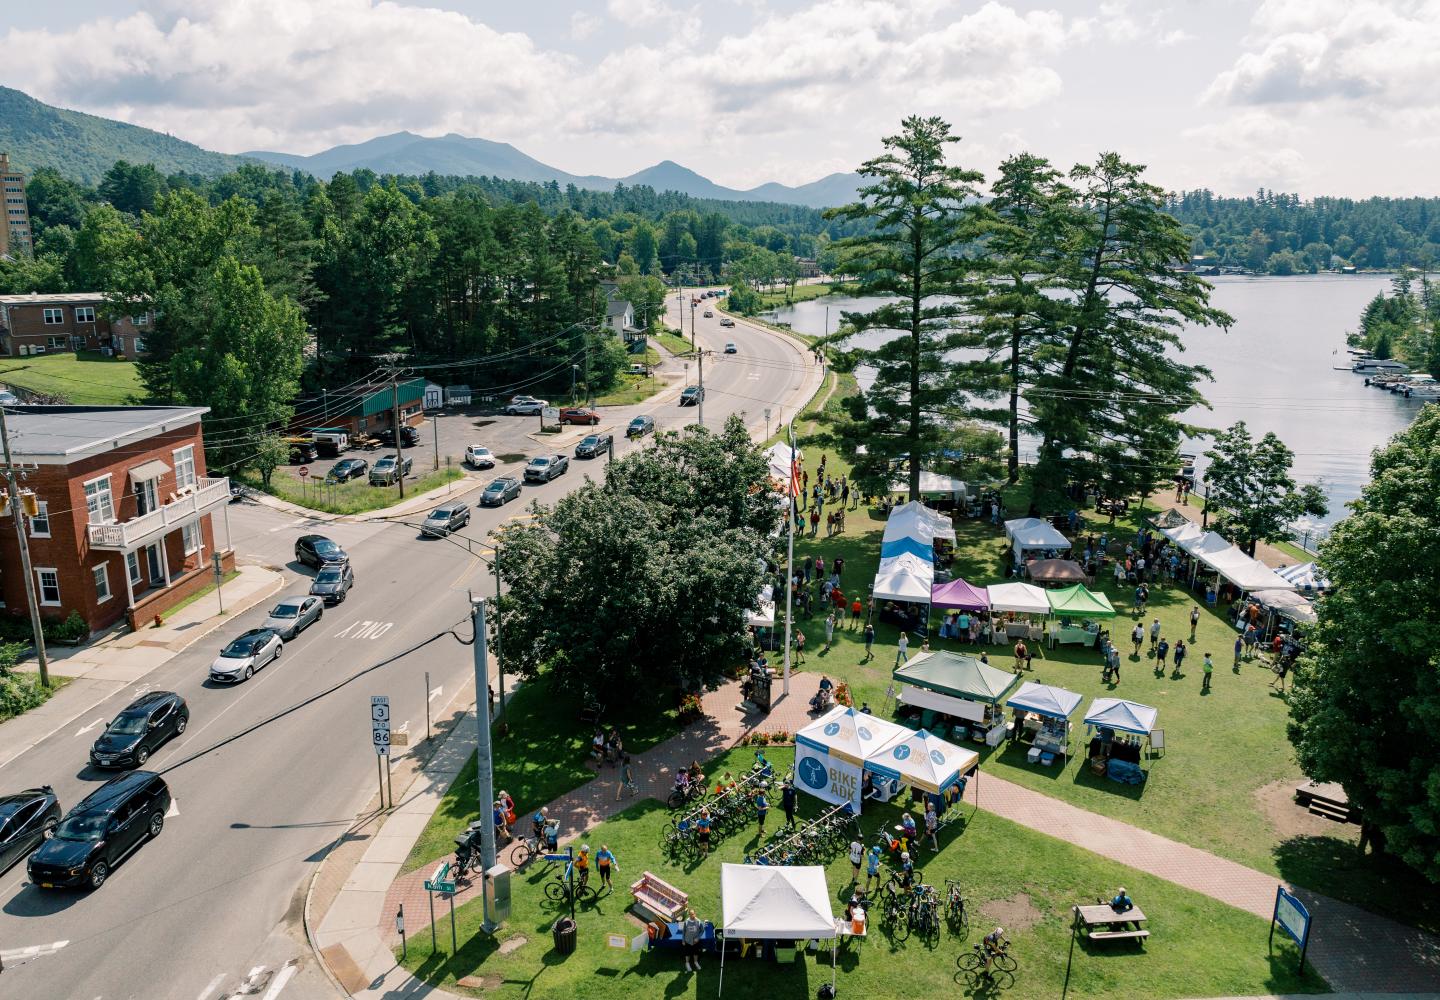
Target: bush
{"points": [[19, 693], [16, 628], [72, 629]]}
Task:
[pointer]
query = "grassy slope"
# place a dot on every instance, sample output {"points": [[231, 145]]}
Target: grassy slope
{"points": [[89, 379], [1200, 947], [352, 497]]}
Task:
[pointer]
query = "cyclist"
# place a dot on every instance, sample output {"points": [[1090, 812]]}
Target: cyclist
{"points": [[537, 825], [682, 783], [994, 946], [762, 808], [605, 863], [872, 867], [582, 866], [702, 830], [907, 869]]}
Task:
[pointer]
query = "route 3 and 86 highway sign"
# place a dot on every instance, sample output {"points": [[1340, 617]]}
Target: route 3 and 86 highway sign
{"points": [[380, 723]]}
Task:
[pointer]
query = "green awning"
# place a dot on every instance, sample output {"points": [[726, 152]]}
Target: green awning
{"points": [[1080, 602], [957, 675]]}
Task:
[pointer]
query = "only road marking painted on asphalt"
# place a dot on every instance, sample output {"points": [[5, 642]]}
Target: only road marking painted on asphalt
{"points": [[364, 630], [97, 722]]}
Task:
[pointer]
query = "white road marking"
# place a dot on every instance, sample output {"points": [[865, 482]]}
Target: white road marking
{"points": [[435, 694], [174, 809], [364, 630], [97, 722], [753, 376], [281, 979], [19, 956], [211, 987]]}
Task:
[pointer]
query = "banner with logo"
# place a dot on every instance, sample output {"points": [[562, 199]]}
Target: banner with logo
{"points": [[826, 777]]}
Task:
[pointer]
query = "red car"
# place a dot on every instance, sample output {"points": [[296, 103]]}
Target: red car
{"points": [[579, 415]]}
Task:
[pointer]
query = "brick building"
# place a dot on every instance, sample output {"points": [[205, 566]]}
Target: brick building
{"points": [[364, 409], [67, 321], [15, 236], [125, 524]]}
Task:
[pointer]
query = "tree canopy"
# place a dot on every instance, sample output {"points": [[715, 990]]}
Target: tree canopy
{"points": [[1249, 489]]}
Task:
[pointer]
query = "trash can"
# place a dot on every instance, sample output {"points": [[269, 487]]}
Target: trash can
{"points": [[564, 932]]}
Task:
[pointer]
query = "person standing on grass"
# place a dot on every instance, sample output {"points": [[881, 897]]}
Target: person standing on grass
{"points": [[857, 857], [902, 650], [872, 868], [1138, 637], [829, 630], [855, 609], [869, 643], [762, 809], [1162, 654], [932, 825], [1154, 634], [627, 778], [604, 863], [799, 647], [702, 829], [1251, 636], [1239, 648], [787, 802], [838, 565], [1194, 620], [690, 933], [815, 519], [1179, 655], [1114, 657], [1209, 668], [1021, 654]]}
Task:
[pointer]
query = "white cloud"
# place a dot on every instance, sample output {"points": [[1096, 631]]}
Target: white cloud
{"points": [[583, 25], [1175, 36], [1250, 150], [636, 12]]}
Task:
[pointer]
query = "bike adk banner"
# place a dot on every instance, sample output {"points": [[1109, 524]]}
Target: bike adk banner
{"points": [[826, 777]]}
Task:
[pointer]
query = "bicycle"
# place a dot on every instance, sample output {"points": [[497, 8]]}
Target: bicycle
{"points": [[955, 914], [558, 889], [924, 911], [980, 964], [528, 850], [691, 793]]}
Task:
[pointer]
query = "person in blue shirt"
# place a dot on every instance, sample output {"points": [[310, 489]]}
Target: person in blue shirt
{"points": [[907, 869], [537, 824], [872, 867], [762, 807], [604, 863], [1122, 901]]}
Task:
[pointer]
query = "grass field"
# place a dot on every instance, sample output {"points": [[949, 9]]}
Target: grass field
{"points": [[672, 342], [89, 378], [1010, 875], [803, 293], [630, 389], [353, 497]]}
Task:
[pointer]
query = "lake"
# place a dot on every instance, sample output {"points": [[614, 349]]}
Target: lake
{"points": [[1273, 369]]}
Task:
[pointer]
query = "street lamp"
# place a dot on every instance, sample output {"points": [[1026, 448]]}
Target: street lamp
{"points": [[574, 371]]}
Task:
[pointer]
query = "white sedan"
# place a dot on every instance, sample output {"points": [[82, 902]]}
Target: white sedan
{"points": [[246, 654], [479, 458]]}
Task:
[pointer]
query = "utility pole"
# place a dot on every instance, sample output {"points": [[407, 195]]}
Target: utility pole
{"points": [[790, 490], [395, 423], [435, 424], [485, 774], [20, 535], [574, 371], [700, 361], [499, 657]]}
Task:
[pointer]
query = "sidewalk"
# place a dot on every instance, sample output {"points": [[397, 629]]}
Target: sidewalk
{"points": [[120, 659]]}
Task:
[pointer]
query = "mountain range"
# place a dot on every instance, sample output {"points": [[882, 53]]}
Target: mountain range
{"points": [[83, 147]]}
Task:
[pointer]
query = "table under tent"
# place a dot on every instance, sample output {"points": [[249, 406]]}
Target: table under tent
{"points": [[959, 686], [1072, 603], [960, 601], [775, 903], [952, 492], [1020, 599], [830, 754], [1042, 718], [1031, 535], [1281, 607], [1122, 729], [927, 764]]}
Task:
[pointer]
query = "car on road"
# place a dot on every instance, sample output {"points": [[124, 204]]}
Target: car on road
{"points": [[302, 450], [592, 445], [382, 473], [500, 492], [638, 370], [726, 321], [543, 468], [409, 436], [26, 819], [640, 426], [691, 395], [318, 551], [106, 827], [478, 457], [294, 615], [247, 653], [730, 347], [140, 729], [524, 408], [443, 520], [579, 415], [709, 315], [332, 584], [347, 469]]}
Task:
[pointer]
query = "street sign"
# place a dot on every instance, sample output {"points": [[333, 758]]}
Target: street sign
{"points": [[550, 412], [440, 881], [1294, 920], [380, 723], [303, 471]]}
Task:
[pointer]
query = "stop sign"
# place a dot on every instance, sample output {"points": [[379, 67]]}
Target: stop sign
{"points": [[304, 471]]}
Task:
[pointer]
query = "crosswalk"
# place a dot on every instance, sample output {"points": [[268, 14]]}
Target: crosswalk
{"points": [[261, 981]]}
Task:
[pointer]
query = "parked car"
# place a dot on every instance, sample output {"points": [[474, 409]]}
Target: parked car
{"points": [[106, 827], [382, 473], [709, 314], [140, 729], [543, 468], [500, 492], [409, 436], [730, 347], [640, 426], [726, 321], [527, 399], [302, 451], [26, 819], [593, 444], [638, 370], [347, 469], [332, 584], [294, 615], [579, 415], [247, 653], [479, 458], [691, 395], [318, 551], [443, 520], [528, 407]]}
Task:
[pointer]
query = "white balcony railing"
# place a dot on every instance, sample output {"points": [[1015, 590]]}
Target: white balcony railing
{"points": [[128, 535]]}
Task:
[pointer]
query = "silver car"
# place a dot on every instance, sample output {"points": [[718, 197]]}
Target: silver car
{"points": [[246, 654], [443, 520], [294, 615]]}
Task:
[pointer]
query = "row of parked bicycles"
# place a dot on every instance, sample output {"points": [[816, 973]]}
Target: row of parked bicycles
{"points": [[816, 843], [919, 908], [727, 812]]}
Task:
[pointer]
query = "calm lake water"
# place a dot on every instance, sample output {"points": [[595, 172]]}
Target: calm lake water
{"points": [[1273, 369]]}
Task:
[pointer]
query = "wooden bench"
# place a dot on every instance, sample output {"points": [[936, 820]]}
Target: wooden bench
{"points": [[1117, 935], [659, 898]]}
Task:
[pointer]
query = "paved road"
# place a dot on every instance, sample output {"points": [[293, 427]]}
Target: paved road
{"points": [[212, 908]]}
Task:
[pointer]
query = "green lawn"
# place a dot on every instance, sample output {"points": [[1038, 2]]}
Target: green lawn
{"points": [[89, 379], [542, 757], [630, 389], [804, 293], [198, 595], [353, 497], [672, 342], [21, 690], [1010, 875]]}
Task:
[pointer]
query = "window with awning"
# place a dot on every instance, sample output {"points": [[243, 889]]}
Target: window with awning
{"points": [[152, 469]]}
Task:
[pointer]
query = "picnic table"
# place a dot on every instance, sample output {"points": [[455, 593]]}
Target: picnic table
{"points": [[1102, 922]]}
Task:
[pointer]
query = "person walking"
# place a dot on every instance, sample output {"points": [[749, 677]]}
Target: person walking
{"points": [[787, 802], [932, 825], [902, 646], [627, 778], [1138, 637], [1021, 653], [1162, 655], [838, 565], [604, 864], [872, 868], [855, 608], [690, 936], [1180, 650], [1239, 648], [1194, 620], [857, 857], [815, 519], [1114, 656], [869, 643], [829, 630], [1209, 669], [762, 809], [799, 647], [1154, 634]]}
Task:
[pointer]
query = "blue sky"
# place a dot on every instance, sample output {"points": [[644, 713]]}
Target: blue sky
{"points": [[1315, 96]]}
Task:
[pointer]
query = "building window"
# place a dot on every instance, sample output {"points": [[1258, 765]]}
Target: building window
{"points": [[184, 466], [58, 343], [40, 523], [49, 581], [98, 502], [54, 317], [190, 534], [139, 345], [132, 566], [84, 314], [102, 583]]}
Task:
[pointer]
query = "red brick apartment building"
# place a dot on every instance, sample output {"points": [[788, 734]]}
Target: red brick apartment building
{"points": [[125, 523], [67, 321]]}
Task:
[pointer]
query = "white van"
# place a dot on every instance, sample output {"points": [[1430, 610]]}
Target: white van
{"points": [[330, 441]]}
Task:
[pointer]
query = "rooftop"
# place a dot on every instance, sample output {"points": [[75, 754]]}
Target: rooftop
{"points": [[47, 298], [68, 433], [616, 307]]}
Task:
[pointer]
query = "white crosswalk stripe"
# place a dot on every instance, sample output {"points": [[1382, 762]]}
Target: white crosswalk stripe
{"points": [[11, 957], [281, 979]]}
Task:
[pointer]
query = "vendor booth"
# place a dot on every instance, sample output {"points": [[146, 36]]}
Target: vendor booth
{"points": [[1034, 537], [926, 763], [1188, 531], [1122, 730], [1042, 719], [1306, 577], [959, 596], [904, 577], [1284, 606], [1056, 571], [1077, 602], [764, 904], [830, 753], [782, 461], [1019, 599], [952, 491], [957, 686], [1245, 573]]}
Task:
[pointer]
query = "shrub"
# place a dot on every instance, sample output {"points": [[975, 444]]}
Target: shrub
{"points": [[690, 708], [72, 629], [19, 693]]}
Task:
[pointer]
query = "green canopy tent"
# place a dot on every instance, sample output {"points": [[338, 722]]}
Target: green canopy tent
{"points": [[955, 685], [1077, 601]]}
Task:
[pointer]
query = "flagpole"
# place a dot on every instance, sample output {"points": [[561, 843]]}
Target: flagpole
{"points": [[790, 555]]}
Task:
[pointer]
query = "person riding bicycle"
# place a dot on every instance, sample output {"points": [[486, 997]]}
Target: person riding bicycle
{"points": [[994, 945], [696, 774], [682, 783]]}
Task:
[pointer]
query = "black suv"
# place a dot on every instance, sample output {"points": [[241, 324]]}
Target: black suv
{"points": [[26, 818], [409, 436], [140, 729], [317, 551], [102, 831], [593, 444]]}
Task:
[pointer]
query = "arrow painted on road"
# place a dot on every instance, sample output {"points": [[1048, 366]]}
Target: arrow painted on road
{"points": [[435, 694], [97, 722], [174, 809]]}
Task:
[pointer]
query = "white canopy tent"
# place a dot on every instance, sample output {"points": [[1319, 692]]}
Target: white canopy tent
{"points": [[1122, 716], [1021, 598], [915, 520], [1187, 532], [1306, 576], [1243, 571], [775, 903], [923, 760], [782, 459], [1030, 534], [831, 752], [933, 483], [905, 577], [1210, 541]]}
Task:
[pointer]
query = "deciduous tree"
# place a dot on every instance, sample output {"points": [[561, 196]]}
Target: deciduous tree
{"points": [[1251, 492]]}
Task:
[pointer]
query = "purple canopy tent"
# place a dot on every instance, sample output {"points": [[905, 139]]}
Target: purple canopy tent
{"points": [[959, 594]]}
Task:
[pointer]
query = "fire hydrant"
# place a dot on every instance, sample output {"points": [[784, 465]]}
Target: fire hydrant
{"points": [[159, 621]]}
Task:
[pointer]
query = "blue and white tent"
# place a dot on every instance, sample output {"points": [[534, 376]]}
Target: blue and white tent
{"points": [[1042, 699], [1306, 576], [923, 761]]}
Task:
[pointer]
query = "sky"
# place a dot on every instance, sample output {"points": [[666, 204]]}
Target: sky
{"points": [[1319, 97]]}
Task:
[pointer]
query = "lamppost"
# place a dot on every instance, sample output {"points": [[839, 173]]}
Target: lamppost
{"points": [[574, 371]]}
